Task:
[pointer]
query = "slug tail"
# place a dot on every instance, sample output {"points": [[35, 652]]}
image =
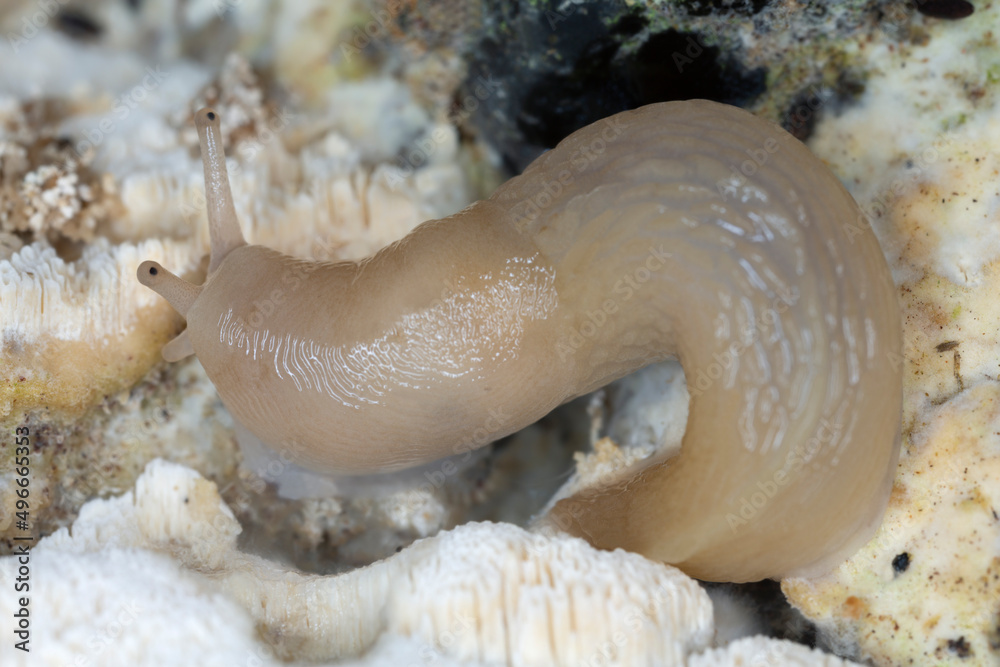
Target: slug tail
{"points": [[223, 225], [787, 326], [696, 511]]}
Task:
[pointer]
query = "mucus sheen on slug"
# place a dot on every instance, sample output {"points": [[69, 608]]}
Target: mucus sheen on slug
{"points": [[644, 231]]}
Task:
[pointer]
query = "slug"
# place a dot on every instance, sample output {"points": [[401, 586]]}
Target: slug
{"points": [[690, 229]]}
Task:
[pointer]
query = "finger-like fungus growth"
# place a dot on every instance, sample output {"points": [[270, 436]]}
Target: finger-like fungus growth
{"points": [[686, 229]]}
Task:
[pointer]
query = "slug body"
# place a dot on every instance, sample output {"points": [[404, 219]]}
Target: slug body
{"points": [[685, 229]]}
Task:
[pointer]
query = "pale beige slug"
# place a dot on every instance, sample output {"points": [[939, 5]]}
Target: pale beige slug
{"points": [[685, 229]]}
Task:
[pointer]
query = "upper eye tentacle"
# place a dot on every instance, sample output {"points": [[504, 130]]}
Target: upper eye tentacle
{"points": [[223, 226]]}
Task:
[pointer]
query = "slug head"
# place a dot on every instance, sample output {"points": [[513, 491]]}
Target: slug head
{"points": [[223, 227]]}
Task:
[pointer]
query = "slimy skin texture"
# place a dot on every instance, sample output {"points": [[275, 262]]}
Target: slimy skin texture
{"points": [[685, 229]]}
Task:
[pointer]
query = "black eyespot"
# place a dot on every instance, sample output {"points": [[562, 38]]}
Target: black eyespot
{"points": [[153, 271], [211, 115]]}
